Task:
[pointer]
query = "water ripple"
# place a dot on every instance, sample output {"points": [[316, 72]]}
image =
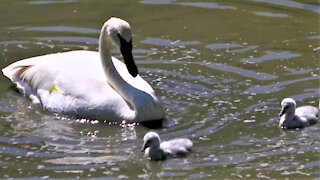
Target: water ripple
{"points": [[222, 67], [271, 55], [52, 2], [278, 86], [270, 14], [85, 40], [168, 43], [292, 4], [207, 5], [64, 29]]}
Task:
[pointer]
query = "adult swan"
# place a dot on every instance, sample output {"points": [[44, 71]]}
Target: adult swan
{"points": [[88, 84]]}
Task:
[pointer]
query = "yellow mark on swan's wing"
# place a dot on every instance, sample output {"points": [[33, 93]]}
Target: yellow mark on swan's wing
{"points": [[53, 89]]}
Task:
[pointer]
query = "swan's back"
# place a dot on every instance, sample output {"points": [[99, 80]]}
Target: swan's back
{"points": [[68, 68], [65, 72]]}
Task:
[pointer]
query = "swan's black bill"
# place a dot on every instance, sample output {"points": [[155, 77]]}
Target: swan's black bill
{"points": [[126, 51]]}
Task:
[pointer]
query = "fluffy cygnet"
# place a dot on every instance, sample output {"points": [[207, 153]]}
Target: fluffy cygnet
{"points": [[157, 150], [292, 117]]}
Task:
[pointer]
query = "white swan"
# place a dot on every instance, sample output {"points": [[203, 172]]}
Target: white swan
{"points": [[292, 117], [158, 150], [89, 84]]}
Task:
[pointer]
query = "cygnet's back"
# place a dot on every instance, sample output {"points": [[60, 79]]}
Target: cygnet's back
{"points": [[177, 147]]}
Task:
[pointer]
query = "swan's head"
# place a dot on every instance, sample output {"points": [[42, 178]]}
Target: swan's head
{"points": [[119, 32], [151, 139], [288, 105]]}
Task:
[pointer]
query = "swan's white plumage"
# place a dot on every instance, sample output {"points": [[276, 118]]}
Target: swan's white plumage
{"points": [[76, 83]]}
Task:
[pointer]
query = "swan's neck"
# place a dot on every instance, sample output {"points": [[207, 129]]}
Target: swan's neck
{"points": [[139, 100], [113, 77], [105, 46]]}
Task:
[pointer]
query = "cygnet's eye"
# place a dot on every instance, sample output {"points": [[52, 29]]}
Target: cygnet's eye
{"points": [[285, 107]]}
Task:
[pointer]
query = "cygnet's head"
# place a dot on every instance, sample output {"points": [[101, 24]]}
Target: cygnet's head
{"points": [[288, 105], [151, 139]]}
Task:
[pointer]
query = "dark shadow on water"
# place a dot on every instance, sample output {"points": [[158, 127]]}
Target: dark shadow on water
{"points": [[14, 89], [158, 124]]}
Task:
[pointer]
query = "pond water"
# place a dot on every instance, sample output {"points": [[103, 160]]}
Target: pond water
{"points": [[220, 68]]}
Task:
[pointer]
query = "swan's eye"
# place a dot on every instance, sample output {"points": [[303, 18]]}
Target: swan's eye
{"points": [[124, 44]]}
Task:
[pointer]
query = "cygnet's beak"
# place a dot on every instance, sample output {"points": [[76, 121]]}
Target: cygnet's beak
{"points": [[282, 112], [144, 146]]}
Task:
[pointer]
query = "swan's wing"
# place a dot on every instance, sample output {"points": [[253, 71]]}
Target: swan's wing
{"points": [[75, 78], [26, 72], [66, 73]]}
